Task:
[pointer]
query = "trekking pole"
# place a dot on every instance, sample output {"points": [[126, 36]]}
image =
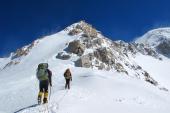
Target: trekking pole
{"points": [[50, 93]]}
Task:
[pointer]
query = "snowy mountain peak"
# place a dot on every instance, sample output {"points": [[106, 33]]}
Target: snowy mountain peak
{"points": [[93, 59], [81, 28], [159, 39], [155, 37]]}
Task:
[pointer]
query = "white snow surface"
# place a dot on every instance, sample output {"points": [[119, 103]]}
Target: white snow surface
{"points": [[92, 91], [3, 62], [95, 91], [159, 69], [154, 37]]}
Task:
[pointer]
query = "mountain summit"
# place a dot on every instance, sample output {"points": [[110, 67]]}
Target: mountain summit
{"points": [[116, 72], [158, 39], [155, 37], [85, 46]]}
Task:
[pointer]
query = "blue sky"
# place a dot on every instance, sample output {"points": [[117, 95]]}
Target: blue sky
{"points": [[22, 21]]}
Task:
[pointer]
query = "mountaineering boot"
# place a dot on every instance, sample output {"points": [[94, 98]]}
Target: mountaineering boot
{"points": [[45, 97], [39, 100], [39, 97], [45, 100]]}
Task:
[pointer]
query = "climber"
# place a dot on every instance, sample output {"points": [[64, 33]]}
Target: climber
{"points": [[44, 76], [68, 77]]}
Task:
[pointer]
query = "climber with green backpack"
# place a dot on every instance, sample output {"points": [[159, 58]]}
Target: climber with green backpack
{"points": [[44, 76]]}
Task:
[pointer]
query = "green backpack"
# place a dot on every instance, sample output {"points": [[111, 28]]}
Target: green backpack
{"points": [[42, 73]]}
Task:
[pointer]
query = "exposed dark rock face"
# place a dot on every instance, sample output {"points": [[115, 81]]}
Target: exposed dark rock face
{"points": [[86, 29], [93, 50], [63, 56], [84, 61], [11, 63], [74, 32], [20, 52], [24, 50], [164, 48], [105, 55], [163, 88], [76, 47], [149, 79], [16, 56], [120, 68]]}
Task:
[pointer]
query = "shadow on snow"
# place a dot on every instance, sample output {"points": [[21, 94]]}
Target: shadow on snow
{"points": [[31, 106]]}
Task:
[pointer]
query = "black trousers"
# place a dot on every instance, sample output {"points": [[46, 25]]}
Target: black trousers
{"points": [[67, 85], [43, 86]]}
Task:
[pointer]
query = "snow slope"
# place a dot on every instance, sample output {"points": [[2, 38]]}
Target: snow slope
{"points": [[159, 69], [3, 62], [92, 91], [18, 81], [95, 91]]}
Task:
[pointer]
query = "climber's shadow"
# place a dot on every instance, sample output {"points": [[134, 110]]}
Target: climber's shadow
{"points": [[31, 106]]}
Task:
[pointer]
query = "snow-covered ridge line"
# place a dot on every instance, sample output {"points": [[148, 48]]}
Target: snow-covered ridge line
{"points": [[94, 50], [158, 39], [154, 37], [105, 73]]}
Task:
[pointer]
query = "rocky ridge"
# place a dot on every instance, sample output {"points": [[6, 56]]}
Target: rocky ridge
{"points": [[93, 50]]}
